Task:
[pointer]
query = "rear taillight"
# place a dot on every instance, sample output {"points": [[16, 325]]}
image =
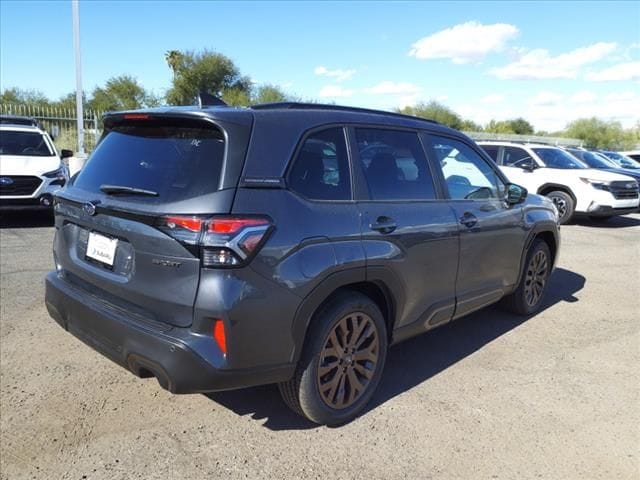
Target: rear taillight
{"points": [[227, 241]]}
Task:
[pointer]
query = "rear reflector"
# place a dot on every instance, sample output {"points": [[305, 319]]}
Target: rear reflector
{"points": [[219, 335]]}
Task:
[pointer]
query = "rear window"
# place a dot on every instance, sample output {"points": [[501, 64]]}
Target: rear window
{"points": [[32, 144], [177, 162]]}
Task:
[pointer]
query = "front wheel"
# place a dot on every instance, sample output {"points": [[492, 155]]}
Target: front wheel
{"points": [[564, 203], [341, 363], [527, 298]]}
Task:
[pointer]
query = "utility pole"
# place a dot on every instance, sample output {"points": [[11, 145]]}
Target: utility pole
{"points": [[76, 49]]}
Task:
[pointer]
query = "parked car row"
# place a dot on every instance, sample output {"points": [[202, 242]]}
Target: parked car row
{"points": [[579, 182]]}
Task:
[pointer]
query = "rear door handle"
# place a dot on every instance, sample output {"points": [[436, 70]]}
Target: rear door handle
{"points": [[468, 219], [384, 225]]}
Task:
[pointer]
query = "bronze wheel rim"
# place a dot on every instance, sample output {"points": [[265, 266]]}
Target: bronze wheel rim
{"points": [[348, 360], [536, 278]]}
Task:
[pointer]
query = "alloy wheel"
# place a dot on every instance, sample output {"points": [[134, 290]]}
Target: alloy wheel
{"points": [[536, 278], [348, 360]]}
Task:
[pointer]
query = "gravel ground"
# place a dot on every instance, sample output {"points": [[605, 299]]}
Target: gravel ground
{"points": [[491, 396]]}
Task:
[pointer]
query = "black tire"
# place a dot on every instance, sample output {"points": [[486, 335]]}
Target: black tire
{"points": [[564, 203], [527, 298], [304, 394]]}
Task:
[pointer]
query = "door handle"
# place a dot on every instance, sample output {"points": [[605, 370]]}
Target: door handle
{"points": [[468, 219], [384, 225]]}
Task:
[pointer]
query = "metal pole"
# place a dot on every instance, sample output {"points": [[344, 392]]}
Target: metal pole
{"points": [[76, 49]]}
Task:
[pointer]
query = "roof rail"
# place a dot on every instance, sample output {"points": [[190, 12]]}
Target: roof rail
{"points": [[514, 141], [205, 99], [323, 106]]}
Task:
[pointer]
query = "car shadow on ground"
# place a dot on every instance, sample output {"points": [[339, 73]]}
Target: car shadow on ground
{"points": [[26, 219], [416, 361], [613, 222]]}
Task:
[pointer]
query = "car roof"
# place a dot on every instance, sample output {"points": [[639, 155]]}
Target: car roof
{"points": [[308, 113]]}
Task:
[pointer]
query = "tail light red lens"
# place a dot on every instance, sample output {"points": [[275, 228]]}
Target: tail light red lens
{"points": [[223, 241]]}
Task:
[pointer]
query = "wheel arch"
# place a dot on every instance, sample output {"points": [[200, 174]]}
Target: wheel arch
{"points": [[351, 280], [551, 187]]}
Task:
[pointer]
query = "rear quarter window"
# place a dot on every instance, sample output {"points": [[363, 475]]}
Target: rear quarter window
{"points": [[177, 162]]}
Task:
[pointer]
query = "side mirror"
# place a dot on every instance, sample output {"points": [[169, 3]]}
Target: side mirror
{"points": [[529, 166], [515, 194], [64, 153]]}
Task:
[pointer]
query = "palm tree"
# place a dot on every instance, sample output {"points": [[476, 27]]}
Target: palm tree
{"points": [[173, 58]]}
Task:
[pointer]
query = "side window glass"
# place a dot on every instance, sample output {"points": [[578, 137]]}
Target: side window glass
{"points": [[394, 165], [515, 157], [492, 151], [321, 169], [467, 174]]}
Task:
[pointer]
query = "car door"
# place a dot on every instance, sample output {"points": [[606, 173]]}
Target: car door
{"points": [[491, 231], [409, 232], [518, 166]]}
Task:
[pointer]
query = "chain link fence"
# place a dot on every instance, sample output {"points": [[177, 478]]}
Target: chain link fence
{"points": [[61, 124]]}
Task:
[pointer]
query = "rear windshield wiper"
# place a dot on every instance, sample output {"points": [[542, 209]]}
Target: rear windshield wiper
{"points": [[121, 189]]}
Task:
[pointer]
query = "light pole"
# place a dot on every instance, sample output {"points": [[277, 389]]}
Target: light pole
{"points": [[76, 49]]}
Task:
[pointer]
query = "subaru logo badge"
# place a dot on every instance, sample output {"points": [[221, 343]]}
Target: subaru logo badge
{"points": [[6, 180], [89, 208], [629, 185]]}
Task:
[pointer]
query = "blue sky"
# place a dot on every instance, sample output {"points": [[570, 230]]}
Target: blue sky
{"points": [[550, 62]]}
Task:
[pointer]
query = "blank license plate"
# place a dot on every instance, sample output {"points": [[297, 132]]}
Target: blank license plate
{"points": [[101, 248]]}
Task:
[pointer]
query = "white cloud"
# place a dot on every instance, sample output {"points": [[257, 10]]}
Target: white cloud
{"points": [[338, 74], [583, 96], [335, 91], [620, 72], [394, 88], [465, 42], [539, 64], [492, 98], [621, 96], [546, 99]]}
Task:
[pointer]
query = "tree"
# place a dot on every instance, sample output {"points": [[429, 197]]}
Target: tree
{"points": [[18, 96], [269, 94], [501, 126], [434, 111], [119, 93], [521, 126], [470, 126], [173, 59], [206, 71], [598, 133]]}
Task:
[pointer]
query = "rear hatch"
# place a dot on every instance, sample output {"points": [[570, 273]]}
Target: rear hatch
{"points": [[117, 236]]}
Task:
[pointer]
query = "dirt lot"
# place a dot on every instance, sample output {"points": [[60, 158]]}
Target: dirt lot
{"points": [[491, 396]]}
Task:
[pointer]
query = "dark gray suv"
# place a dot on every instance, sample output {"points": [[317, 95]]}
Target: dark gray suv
{"points": [[218, 248]]}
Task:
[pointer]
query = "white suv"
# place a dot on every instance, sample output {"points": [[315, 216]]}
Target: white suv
{"points": [[30, 167], [572, 186]]}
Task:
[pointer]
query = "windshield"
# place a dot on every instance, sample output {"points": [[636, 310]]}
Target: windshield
{"points": [[176, 162], [556, 158], [28, 144], [593, 160], [621, 160]]}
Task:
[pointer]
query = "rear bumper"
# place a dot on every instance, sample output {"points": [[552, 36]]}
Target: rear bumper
{"points": [[182, 361]]}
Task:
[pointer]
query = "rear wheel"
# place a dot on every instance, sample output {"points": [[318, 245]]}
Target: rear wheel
{"points": [[527, 298], [564, 203], [341, 363]]}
